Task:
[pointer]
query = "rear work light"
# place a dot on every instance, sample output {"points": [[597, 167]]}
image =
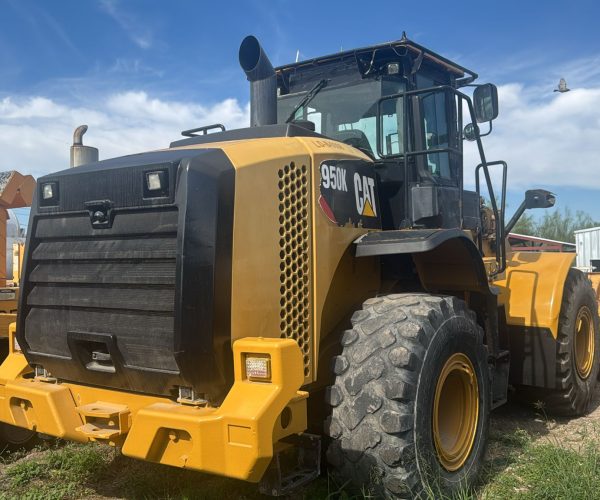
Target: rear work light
{"points": [[154, 181], [49, 193], [258, 368], [156, 184]]}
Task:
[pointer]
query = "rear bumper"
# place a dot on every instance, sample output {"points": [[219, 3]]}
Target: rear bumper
{"points": [[236, 439]]}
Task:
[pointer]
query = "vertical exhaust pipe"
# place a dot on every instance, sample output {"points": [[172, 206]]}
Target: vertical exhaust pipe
{"points": [[263, 82], [80, 154]]}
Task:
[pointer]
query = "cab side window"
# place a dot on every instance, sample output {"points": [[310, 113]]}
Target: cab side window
{"points": [[434, 115]]}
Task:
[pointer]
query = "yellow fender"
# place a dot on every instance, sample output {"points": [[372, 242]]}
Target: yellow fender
{"points": [[531, 289]]}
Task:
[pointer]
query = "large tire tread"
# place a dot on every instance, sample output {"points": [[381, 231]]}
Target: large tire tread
{"points": [[571, 395], [372, 422]]}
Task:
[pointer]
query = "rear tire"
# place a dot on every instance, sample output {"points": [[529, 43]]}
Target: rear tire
{"points": [[577, 351], [411, 397], [14, 438]]}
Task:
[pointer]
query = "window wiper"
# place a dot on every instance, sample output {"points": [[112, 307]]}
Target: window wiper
{"points": [[307, 98]]}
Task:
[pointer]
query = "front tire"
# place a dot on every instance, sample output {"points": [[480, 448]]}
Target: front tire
{"points": [[411, 398], [577, 351]]}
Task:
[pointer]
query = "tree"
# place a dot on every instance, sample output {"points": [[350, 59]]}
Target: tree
{"points": [[525, 225], [557, 225]]}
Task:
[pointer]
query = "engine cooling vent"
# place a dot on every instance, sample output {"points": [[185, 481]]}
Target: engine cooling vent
{"points": [[294, 253]]}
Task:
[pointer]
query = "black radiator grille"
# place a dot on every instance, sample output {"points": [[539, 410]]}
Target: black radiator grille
{"points": [[140, 302], [119, 283]]}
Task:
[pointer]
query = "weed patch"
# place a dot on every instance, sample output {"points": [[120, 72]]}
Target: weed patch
{"points": [[58, 472], [549, 471], [517, 467]]}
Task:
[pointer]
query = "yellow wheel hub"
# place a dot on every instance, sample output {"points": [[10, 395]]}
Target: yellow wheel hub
{"points": [[455, 411], [584, 342]]}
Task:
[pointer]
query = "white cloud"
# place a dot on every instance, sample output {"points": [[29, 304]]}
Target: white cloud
{"points": [[36, 132], [547, 140], [35, 107]]}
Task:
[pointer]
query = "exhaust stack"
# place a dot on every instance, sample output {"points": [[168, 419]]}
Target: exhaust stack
{"points": [[263, 82], [80, 154]]}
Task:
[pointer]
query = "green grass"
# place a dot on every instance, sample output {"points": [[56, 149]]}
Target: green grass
{"points": [[80, 471], [517, 468], [548, 471], [54, 473]]}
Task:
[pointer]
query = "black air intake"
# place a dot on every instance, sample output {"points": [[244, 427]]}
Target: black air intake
{"points": [[263, 82]]}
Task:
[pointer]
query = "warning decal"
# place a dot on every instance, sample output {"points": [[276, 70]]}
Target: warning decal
{"points": [[348, 193]]}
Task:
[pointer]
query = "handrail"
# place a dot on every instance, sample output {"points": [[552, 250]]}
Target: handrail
{"points": [[500, 223], [483, 165], [192, 132]]}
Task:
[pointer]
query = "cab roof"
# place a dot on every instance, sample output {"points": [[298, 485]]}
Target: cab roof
{"points": [[385, 52]]}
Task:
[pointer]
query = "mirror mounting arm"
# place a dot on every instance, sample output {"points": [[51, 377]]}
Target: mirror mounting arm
{"points": [[489, 131], [515, 218], [472, 132]]}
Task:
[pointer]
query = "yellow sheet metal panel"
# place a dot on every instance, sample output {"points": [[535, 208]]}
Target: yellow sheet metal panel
{"points": [[293, 272], [340, 281], [269, 296], [14, 366], [531, 289], [272, 258]]}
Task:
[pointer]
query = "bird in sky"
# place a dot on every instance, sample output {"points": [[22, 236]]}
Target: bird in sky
{"points": [[562, 86]]}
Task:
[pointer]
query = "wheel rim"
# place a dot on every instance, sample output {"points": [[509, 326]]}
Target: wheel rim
{"points": [[455, 411], [584, 342]]}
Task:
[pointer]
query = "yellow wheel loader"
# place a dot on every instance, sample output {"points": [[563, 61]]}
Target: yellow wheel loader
{"points": [[321, 280], [16, 191]]}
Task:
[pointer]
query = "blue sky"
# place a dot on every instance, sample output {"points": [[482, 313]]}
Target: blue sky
{"points": [[138, 72]]}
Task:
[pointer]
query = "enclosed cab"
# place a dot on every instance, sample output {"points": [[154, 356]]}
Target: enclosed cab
{"points": [[360, 105], [198, 304]]}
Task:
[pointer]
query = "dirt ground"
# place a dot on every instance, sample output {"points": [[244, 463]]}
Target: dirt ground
{"points": [[543, 428]]}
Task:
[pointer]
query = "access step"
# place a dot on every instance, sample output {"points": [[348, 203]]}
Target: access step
{"points": [[296, 463]]}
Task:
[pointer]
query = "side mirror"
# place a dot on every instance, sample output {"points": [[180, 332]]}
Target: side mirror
{"points": [[485, 102], [539, 198], [534, 198]]}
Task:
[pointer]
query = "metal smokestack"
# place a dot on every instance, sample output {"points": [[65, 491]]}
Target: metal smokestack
{"points": [[263, 82], [80, 154]]}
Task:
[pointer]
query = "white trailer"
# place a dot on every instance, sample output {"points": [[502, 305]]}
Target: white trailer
{"points": [[588, 249]]}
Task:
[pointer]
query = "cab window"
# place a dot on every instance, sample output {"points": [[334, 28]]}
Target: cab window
{"points": [[347, 113], [434, 110]]}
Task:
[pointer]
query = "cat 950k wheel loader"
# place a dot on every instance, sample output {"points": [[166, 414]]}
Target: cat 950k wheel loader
{"points": [[234, 302]]}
